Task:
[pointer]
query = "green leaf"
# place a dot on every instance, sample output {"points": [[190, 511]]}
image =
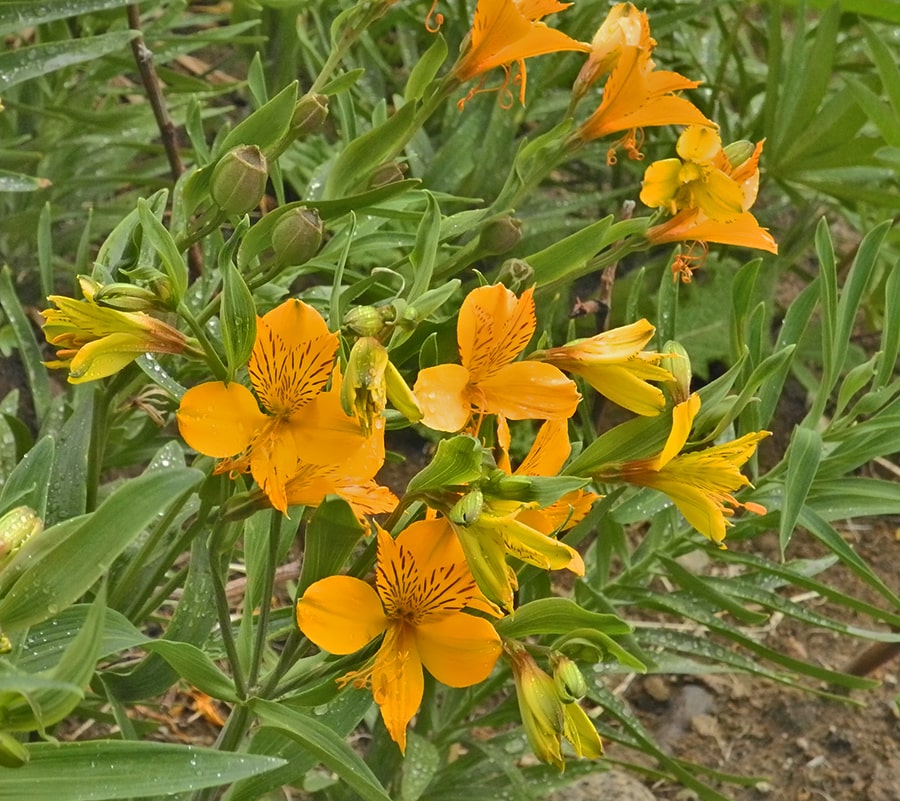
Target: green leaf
{"points": [[195, 667], [557, 616], [110, 770], [328, 747], [18, 14], [38, 381], [25, 63], [67, 571], [29, 482], [456, 462], [424, 254], [602, 642], [803, 456], [265, 126], [162, 242], [17, 182], [67, 491], [425, 69], [420, 764], [635, 439], [331, 537], [238, 316]]}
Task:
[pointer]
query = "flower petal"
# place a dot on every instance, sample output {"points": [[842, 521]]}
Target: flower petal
{"points": [[219, 420], [397, 681], [529, 391], [549, 450], [340, 614], [441, 393], [459, 650]]}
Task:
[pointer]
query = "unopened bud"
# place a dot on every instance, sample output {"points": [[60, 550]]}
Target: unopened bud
{"points": [[516, 274], [363, 391], [738, 152], [569, 682], [388, 173], [500, 236], [128, 297], [679, 365], [366, 321], [297, 236], [239, 179], [400, 395], [467, 509], [310, 114], [17, 526]]}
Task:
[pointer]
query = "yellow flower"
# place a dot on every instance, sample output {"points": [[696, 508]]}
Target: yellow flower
{"points": [[300, 422], [95, 341], [700, 483], [497, 532], [706, 213], [494, 327], [638, 96], [623, 27], [615, 365], [506, 32], [546, 717], [422, 586]]}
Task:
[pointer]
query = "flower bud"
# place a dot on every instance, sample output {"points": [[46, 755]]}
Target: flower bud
{"points": [[297, 236], [17, 526], [738, 152], [239, 179], [388, 173], [517, 274], [309, 115], [570, 684], [500, 236], [363, 391], [400, 395], [467, 509], [366, 321], [679, 365]]}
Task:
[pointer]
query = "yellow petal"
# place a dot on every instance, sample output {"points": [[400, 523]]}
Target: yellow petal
{"points": [[661, 182], [340, 614], [459, 650], [719, 197], [529, 391], [219, 420], [441, 393], [682, 419], [105, 357], [698, 144], [537, 549], [579, 730], [397, 681], [624, 388]]}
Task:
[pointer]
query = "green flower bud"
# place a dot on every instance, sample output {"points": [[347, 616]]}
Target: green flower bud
{"points": [[400, 395], [363, 391], [388, 173], [570, 684], [500, 236], [17, 526], [239, 179], [467, 509], [679, 365], [516, 274], [738, 152], [297, 236], [366, 321], [310, 114]]}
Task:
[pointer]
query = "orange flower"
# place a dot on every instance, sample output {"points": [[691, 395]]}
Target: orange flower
{"points": [[494, 326], [699, 483], [506, 32], [714, 211], [623, 27], [638, 96], [422, 586], [290, 365], [615, 365]]}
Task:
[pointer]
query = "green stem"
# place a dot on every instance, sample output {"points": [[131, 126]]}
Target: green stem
{"points": [[212, 358], [262, 623], [229, 739], [99, 430]]}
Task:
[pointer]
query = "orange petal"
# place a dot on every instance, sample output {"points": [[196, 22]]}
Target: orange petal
{"points": [[397, 681], [549, 451], [459, 650], [494, 327], [219, 420], [529, 391], [324, 434], [441, 393], [340, 614]]}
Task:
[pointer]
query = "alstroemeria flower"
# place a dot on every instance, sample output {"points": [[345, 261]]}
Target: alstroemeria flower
{"points": [[615, 364], [506, 32], [422, 586], [700, 483], [299, 422], [499, 532], [694, 223], [95, 341], [623, 27], [548, 453], [638, 96], [494, 327]]}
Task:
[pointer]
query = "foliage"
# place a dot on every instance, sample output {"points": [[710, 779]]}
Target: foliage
{"points": [[289, 186]]}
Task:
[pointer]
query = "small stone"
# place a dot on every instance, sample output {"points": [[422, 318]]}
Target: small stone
{"points": [[611, 784], [657, 688]]}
